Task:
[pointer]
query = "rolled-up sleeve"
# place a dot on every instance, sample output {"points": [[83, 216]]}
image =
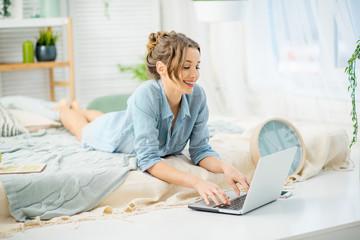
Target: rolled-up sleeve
{"points": [[145, 130], [199, 140]]}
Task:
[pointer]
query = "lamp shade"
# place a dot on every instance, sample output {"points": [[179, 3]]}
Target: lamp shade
{"points": [[220, 10]]}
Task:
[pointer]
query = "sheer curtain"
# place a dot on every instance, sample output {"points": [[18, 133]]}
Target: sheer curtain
{"points": [[282, 60], [347, 29], [296, 48], [180, 16], [222, 55]]}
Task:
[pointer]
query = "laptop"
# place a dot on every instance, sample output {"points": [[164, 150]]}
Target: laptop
{"points": [[266, 186]]}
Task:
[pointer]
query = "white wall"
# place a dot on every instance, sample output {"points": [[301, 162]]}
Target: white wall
{"points": [[101, 43]]}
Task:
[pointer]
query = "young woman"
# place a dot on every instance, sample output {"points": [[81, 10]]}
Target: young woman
{"points": [[163, 114]]}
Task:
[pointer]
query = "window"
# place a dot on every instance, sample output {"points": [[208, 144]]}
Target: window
{"points": [[347, 30], [295, 38]]}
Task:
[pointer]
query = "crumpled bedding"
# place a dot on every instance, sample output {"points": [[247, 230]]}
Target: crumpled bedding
{"points": [[74, 180], [326, 148]]}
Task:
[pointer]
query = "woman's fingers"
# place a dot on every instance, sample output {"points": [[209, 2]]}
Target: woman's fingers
{"points": [[235, 177], [215, 195], [245, 183], [210, 190], [206, 199], [223, 197], [236, 189], [212, 196]]}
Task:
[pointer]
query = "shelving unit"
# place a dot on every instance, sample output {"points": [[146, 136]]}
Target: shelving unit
{"points": [[45, 22]]}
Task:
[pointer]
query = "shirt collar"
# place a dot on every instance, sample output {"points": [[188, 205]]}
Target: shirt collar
{"points": [[165, 108], [184, 108], [166, 111]]}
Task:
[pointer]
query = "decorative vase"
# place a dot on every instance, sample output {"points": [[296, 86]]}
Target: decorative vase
{"points": [[50, 8], [45, 53], [221, 10]]}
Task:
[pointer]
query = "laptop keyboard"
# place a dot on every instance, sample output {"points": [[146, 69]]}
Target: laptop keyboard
{"points": [[235, 204]]}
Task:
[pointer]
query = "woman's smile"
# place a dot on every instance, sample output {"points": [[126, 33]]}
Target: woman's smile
{"points": [[189, 83]]}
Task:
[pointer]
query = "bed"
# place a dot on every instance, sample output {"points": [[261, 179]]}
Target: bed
{"points": [[82, 184]]}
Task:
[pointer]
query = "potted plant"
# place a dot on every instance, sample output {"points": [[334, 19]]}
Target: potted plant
{"points": [[11, 9], [138, 70], [5, 8], [350, 71], [45, 49]]}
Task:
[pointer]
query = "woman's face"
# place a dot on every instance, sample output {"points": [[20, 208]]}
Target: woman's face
{"points": [[190, 73]]}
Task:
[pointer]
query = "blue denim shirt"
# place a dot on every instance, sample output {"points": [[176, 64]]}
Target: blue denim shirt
{"points": [[145, 127]]}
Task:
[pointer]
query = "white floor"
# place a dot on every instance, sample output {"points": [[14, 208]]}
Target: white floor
{"points": [[324, 207]]}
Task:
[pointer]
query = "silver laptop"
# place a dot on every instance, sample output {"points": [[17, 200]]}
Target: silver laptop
{"points": [[266, 185]]}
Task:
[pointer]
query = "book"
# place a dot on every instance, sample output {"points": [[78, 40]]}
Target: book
{"points": [[22, 168]]}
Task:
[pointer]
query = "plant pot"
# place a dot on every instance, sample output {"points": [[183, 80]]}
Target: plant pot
{"points": [[45, 53], [218, 11]]}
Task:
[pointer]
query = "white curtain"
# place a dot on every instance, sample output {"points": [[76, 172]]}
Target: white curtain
{"points": [[347, 27], [222, 55], [296, 44], [282, 60]]}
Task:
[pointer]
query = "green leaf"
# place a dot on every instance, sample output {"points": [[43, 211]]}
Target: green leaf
{"points": [[350, 71], [47, 38], [138, 70]]}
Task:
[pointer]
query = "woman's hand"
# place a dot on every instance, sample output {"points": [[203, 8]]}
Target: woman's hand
{"points": [[233, 177], [208, 189]]}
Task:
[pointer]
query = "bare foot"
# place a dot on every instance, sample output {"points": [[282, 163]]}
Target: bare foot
{"points": [[63, 103], [75, 105]]}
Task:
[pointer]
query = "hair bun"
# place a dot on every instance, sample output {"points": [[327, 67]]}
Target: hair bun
{"points": [[153, 40]]}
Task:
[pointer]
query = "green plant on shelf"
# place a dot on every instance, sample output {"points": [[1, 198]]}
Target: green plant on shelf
{"points": [[350, 70], [138, 70], [5, 8], [47, 38]]}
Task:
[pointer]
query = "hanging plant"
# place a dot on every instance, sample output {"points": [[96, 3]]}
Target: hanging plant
{"points": [[350, 70], [5, 8]]}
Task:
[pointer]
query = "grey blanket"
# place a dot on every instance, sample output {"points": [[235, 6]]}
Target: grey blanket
{"points": [[74, 180]]}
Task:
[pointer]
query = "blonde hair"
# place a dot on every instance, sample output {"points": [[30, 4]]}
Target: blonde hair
{"points": [[169, 48]]}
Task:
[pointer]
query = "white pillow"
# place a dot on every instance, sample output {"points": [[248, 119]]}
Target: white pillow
{"points": [[9, 126], [32, 121]]}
